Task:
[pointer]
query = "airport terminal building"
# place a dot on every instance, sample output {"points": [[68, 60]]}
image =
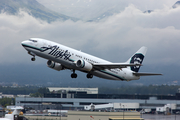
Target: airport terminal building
{"points": [[73, 99]]}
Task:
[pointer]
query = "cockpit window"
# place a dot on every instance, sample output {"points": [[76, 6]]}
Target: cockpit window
{"points": [[33, 40]]}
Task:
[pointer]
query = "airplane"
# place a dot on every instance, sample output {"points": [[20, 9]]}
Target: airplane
{"points": [[14, 114], [60, 57]]}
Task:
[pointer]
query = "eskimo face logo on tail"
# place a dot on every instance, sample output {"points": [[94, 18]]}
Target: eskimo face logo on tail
{"points": [[136, 59]]}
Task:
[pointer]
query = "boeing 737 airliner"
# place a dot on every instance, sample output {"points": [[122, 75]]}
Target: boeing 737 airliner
{"points": [[61, 57]]}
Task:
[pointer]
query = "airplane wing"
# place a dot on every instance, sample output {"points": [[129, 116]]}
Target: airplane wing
{"points": [[113, 65], [145, 74]]}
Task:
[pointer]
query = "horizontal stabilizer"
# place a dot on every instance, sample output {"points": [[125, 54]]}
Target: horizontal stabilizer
{"points": [[114, 65], [146, 74]]}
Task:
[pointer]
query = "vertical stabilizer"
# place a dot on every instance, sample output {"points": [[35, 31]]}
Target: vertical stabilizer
{"points": [[17, 110], [137, 58]]}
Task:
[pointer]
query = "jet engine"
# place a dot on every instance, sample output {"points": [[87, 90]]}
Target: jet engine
{"points": [[54, 65], [84, 65]]}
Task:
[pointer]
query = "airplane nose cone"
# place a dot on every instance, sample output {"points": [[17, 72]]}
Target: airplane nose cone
{"points": [[23, 43]]}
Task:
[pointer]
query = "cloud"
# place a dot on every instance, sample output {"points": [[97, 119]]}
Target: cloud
{"points": [[85, 9], [115, 38]]}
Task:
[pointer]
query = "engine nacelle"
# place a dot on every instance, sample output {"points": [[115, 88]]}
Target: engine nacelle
{"points": [[54, 65], [84, 65]]}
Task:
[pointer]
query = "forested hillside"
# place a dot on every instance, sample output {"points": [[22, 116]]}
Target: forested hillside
{"points": [[151, 89]]}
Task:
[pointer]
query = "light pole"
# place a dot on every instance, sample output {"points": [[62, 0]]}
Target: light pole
{"points": [[60, 111], [123, 112]]}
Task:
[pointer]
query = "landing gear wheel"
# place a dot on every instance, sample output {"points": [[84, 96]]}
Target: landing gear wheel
{"points": [[89, 75], [33, 59], [73, 75]]}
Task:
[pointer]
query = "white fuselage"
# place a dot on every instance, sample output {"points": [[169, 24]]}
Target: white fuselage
{"points": [[67, 57]]}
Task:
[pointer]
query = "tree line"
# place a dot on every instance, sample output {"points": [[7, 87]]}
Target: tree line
{"points": [[151, 89], [7, 101], [32, 91], [18, 90]]}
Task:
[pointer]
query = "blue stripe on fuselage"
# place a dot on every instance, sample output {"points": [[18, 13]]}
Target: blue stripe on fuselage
{"points": [[103, 71], [28, 46]]}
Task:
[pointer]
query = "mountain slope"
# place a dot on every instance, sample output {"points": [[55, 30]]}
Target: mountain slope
{"points": [[112, 11], [177, 4], [34, 8]]}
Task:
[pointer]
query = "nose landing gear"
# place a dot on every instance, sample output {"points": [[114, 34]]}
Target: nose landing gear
{"points": [[33, 58], [32, 54]]}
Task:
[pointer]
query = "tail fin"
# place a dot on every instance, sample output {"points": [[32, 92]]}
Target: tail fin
{"points": [[137, 58], [17, 110]]}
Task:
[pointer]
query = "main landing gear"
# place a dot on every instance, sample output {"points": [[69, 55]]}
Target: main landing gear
{"points": [[89, 75], [73, 75]]}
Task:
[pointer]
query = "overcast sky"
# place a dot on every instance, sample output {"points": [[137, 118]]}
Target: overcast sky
{"points": [[115, 38]]}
